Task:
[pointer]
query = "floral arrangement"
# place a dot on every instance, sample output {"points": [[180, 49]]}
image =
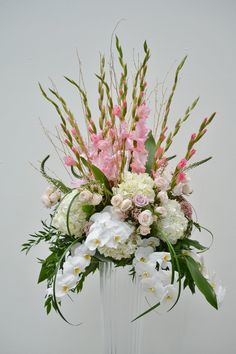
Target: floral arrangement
{"points": [[128, 204]]}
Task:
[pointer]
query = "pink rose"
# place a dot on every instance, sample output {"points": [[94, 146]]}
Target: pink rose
{"points": [[140, 200]]}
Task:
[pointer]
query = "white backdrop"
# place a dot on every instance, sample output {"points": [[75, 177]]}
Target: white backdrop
{"points": [[39, 41]]}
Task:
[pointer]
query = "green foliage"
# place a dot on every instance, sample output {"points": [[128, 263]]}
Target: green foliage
{"points": [[99, 175], [57, 183], [150, 146], [196, 164], [201, 282], [45, 235]]}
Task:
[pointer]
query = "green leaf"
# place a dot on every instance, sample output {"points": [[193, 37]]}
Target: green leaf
{"points": [[57, 183], [201, 282], [192, 243], [146, 312], [88, 209], [55, 302], [48, 268], [150, 146], [98, 174]]}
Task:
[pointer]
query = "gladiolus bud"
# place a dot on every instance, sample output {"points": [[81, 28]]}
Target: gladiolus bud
{"points": [[193, 136], [182, 163], [192, 152]]}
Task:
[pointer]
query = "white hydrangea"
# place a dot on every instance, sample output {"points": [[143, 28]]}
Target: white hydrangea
{"points": [[77, 218], [174, 224], [123, 250], [134, 184]]}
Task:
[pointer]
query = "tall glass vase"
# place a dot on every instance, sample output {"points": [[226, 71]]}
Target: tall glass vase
{"points": [[121, 302]]}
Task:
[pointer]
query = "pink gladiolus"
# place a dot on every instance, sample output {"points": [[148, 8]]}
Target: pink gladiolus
{"points": [[73, 132], [67, 141], [69, 161], [143, 111], [162, 162], [193, 136], [181, 177], [182, 164], [192, 152], [159, 152], [74, 149], [124, 104], [116, 111]]}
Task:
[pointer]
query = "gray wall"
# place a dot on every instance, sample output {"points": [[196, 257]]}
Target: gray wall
{"points": [[38, 41]]}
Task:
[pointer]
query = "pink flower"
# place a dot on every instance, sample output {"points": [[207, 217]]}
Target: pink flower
{"points": [[182, 164], [69, 161], [193, 136], [186, 208], [159, 152], [140, 200], [181, 177], [73, 132], [116, 111], [143, 111]]}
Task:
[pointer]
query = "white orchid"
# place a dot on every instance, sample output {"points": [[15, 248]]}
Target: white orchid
{"points": [[107, 230], [218, 288], [64, 283], [75, 265], [142, 255], [145, 270], [170, 295], [153, 286], [82, 251], [162, 258]]}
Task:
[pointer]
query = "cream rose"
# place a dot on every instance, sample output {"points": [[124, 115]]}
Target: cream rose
{"points": [[126, 205], [145, 218], [116, 200], [85, 196]]}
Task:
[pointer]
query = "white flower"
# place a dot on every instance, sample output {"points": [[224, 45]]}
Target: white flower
{"points": [[153, 286], [142, 254], [151, 241], [64, 283], [183, 187], [162, 183], [134, 184], [162, 258], [126, 205], [163, 197], [144, 230], [74, 265], [51, 197], [174, 225], [85, 196], [83, 251], [170, 295], [77, 218], [116, 200], [161, 211], [107, 230], [219, 290], [145, 270], [96, 199], [123, 250], [145, 218]]}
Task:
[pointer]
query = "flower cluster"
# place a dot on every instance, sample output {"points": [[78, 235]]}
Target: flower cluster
{"points": [[129, 203]]}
